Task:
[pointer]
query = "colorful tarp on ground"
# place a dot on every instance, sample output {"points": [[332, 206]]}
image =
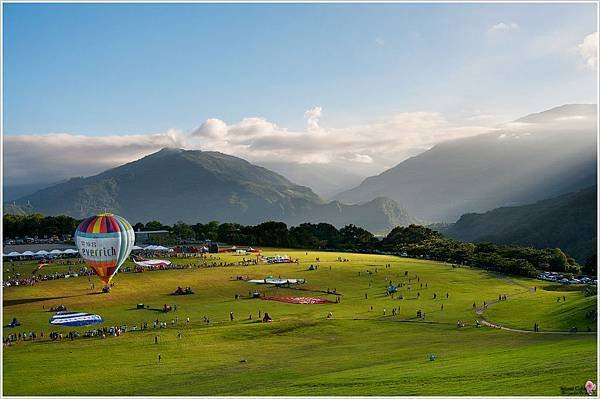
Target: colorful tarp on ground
{"points": [[298, 300], [277, 281], [75, 319], [152, 262]]}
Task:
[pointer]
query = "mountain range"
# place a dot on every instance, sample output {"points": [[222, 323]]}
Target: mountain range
{"points": [[533, 158], [567, 222], [200, 186], [539, 157]]}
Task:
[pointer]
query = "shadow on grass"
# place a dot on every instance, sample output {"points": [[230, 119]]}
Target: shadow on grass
{"points": [[160, 310], [13, 302]]}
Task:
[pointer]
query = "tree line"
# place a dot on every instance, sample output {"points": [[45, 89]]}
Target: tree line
{"points": [[413, 241]]}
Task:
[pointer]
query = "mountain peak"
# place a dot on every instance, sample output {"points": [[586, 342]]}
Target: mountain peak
{"points": [[199, 186], [566, 112]]}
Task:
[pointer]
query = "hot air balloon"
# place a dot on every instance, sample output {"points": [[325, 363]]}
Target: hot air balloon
{"points": [[104, 242]]}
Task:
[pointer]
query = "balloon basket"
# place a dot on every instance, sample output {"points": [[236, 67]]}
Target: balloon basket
{"points": [[106, 290]]}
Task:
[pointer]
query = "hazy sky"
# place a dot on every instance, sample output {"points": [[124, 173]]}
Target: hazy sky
{"points": [[359, 85]]}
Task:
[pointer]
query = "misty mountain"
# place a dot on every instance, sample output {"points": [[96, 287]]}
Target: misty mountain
{"points": [[199, 186], [12, 192], [325, 180], [533, 158], [567, 222]]}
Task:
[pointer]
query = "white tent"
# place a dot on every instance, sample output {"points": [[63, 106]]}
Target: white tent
{"points": [[70, 251], [136, 248], [13, 254], [56, 252], [156, 248], [27, 253], [42, 252]]}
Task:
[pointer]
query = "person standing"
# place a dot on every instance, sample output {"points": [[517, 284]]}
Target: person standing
{"points": [[231, 316], [159, 357]]}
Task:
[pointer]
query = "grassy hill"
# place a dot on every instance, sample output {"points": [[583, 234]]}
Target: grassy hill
{"points": [[567, 222], [358, 352]]}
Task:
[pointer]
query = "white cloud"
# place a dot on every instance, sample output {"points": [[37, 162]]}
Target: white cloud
{"points": [[503, 27], [56, 156], [375, 145], [312, 117], [365, 148], [589, 50], [360, 158], [571, 118]]}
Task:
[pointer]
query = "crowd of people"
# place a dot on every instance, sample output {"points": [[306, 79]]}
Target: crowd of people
{"points": [[18, 280]]}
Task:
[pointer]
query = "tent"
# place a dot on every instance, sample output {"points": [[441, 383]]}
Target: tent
{"points": [[156, 248], [13, 254], [42, 252], [69, 251], [136, 248], [56, 252], [27, 253]]}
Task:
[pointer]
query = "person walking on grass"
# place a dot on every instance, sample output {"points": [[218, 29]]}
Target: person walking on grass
{"points": [[159, 358]]}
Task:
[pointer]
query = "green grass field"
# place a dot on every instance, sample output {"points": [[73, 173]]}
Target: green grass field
{"points": [[357, 352]]}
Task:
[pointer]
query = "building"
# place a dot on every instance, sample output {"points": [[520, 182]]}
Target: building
{"points": [[150, 237]]}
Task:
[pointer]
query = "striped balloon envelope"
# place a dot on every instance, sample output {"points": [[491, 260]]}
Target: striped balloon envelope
{"points": [[75, 319], [104, 242]]}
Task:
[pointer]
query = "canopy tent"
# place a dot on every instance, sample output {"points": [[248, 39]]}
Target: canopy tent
{"points": [[42, 252], [156, 248], [70, 251], [27, 253], [12, 254], [56, 252], [136, 248]]}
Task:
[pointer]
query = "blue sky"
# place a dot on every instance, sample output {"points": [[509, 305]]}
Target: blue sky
{"points": [[125, 69], [367, 85]]}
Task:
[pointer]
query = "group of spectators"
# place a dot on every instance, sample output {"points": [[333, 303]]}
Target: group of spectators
{"points": [[102, 332], [18, 280], [24, 336]]}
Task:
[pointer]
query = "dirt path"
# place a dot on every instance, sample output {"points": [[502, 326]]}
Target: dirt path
{"points": [[490, 324]]}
